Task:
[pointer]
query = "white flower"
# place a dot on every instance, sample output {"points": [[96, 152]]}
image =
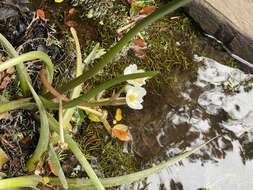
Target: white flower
{"points": [[134, 97], [131, 69]]}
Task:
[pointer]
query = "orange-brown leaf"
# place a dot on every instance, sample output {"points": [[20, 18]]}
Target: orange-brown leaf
{"points": [[121, 132], [41, 14], [52, 167], [139, 42], [148, 10]]}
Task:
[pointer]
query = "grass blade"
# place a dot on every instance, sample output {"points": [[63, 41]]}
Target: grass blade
{"points": [[83, 100], [79, 70], [44, 129], [106, 85]]}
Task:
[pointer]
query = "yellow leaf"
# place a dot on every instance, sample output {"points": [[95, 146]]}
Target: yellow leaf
{"points": [[46, 180], [3, 158], [93, 117]]}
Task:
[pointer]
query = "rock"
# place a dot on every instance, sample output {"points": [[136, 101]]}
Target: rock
{"points": [[230, 21]]}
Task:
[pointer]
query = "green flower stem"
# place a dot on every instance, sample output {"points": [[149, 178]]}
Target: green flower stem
{"points": [[29, 57], [130, 178], [79, 70], [19, 182], [74, 147], [24, 103], [106, 124], [90, 110], [83, 100], [21, 70], [109, 56], [107, 102], [106, 85]]}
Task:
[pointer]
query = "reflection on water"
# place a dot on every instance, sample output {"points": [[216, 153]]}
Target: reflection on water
{"points": [[218, 102]]}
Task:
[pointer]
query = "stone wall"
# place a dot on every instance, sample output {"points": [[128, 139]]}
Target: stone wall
{"points": [[231, 21]]}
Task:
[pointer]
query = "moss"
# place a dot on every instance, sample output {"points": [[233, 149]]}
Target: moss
{"points": [[110, 158], [171, 45]]}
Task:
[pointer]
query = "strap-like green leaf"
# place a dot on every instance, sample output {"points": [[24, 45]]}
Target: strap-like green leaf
{"points": [[53, 157], [130, 178], [74, 147]]}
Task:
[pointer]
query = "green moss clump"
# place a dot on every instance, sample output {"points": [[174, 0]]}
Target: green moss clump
{"points": [[108, 152]]}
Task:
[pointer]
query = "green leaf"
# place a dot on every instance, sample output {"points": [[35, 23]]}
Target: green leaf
{"points": [[21, 70], [79, 70], [83, 100], [29, 57], [74, 147], [105, 85], [53, 157], [24, 103], [19, 182], [44, 133], [130, 178]]}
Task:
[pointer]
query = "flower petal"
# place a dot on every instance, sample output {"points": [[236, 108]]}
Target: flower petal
{"points": [[130, 69]]}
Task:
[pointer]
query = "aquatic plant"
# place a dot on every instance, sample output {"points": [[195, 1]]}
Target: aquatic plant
{"points": [[88, 102]]}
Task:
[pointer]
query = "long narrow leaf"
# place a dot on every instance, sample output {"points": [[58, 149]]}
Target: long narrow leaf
{"points": [[29, 57], [79, 70], [44, 133], [106, 85], [83, 100], [109, 56], [74, 147], [44, 129], [127, 179], [24, 103], [19, 182], [21, 70], [53, 157]]}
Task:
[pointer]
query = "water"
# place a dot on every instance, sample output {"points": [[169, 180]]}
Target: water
{"points": [[218, 102]]}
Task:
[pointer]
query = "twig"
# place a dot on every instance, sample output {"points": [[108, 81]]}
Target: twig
{"points": [[50, 88]]}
